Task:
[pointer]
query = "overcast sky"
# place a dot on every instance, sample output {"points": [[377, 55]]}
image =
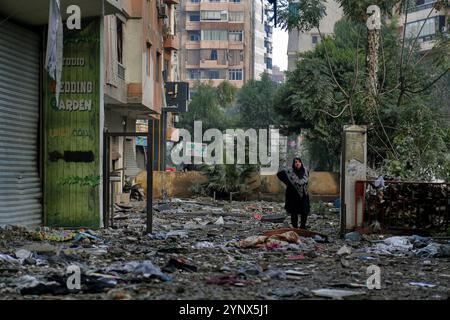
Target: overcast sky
{"points": [[280, 42]]}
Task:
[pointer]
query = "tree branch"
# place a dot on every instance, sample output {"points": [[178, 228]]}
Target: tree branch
{"points": [[404, 38], [330, 66], [333, 116], [431, 84], [417, 36]]}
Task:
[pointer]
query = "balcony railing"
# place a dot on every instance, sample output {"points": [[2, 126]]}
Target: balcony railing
{"points": [[425, 6], [171, 42]]}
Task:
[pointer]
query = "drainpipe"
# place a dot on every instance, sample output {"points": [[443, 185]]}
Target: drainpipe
{"points": [[253, 62]]}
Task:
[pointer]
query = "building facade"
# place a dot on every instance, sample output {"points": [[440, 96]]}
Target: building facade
{"points": [[425, 22], [300, 42], [52, 150], [278, 76], [141, 47], [223, 40]]}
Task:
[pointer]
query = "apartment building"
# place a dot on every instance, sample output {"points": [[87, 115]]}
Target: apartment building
{"points": [[425, 21], [114, 68], [141, 56], [224, 40], [300, 42]]}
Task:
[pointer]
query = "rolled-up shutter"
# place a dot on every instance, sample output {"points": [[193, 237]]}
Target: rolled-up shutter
{"points": [[20, 186]]}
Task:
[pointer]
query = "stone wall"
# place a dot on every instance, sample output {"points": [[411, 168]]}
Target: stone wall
{"points": [[323, 185]]}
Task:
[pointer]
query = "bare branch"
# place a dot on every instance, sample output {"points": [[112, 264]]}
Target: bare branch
{"points": [[392, 90], [330, 66], [431, 84], [385, 133], [335, 116], [411, 49], [403, 40], [384, 61], [357, 61]]}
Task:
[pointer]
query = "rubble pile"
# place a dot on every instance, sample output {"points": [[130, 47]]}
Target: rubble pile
{"points": [[202, 249]]}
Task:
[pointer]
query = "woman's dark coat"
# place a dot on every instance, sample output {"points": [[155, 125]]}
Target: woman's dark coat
{"points": [[297, 197]]}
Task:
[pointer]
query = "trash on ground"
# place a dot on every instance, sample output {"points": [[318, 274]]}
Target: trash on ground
{"points": [[336, 293]]}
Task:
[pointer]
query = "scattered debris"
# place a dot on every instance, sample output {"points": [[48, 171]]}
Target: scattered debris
{"points": [[353, 237], [193, 255], [336, 293], [274, 218], [422, 284], [180, 264], [344, 250]]}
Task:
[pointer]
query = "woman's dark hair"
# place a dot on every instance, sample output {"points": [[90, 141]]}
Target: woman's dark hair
{"points": [[300, 172]]}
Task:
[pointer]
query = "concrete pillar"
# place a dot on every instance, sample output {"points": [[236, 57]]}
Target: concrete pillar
{"points": [[353, 168]]}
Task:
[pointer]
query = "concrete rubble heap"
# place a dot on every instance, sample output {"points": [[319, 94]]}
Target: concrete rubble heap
{"points": [[202, 249]]}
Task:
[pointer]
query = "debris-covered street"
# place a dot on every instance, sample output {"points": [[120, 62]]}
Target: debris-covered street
{"points": [[264, 152], [202, 249]]}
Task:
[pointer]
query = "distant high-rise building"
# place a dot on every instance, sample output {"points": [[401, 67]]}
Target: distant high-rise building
{"points": [[224, 40], [278, 76], [300, 42]]}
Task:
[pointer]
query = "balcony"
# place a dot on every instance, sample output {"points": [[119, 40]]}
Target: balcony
{"points": [[212, 64], [171, 42], [419, 7], [115, 88]]}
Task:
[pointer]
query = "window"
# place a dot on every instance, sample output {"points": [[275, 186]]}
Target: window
{"points": [[235, 74], [148, 60], [195, 1], [193, 74], [428, 31], [315, 40], [214, 15], [119, 41], [194, 35], [194, 16], [269, 63], [235, 1], [213, 54], [213, 74], [236, 36], [214, 35], [236, 16]]}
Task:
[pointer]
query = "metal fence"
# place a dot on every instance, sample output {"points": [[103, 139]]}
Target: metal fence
{"points": [[400, 205]]}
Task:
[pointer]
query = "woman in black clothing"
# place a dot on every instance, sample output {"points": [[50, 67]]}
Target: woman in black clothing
{"points": [[297, 198]]}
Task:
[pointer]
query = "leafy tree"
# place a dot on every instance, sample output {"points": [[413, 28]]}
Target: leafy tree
{"points": [[226, 94], [205, 106], [326, 91], [255, 103]]}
